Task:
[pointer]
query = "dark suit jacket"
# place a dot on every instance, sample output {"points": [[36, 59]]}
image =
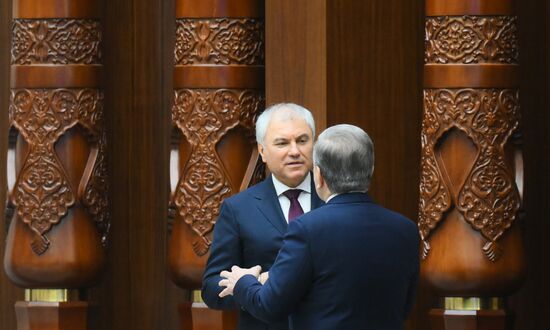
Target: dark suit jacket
{"points": [[350, 264], [249, 232]]}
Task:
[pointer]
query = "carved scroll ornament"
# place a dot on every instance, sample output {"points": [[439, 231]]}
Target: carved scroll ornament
{"points": [[471, 39], [204, 116], [219, 41], [56, 41], [42, 193], [489, 198]]}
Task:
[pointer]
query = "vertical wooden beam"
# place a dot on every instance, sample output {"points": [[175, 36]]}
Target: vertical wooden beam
{"points": [[296, 55], [57, 167], [139, 78], [472, 167], [534, 32], [218, 92], [9, 293]]}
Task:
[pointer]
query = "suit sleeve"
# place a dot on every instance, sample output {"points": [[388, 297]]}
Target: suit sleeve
{"points": [[413, 283], [289, 279], [224, 253]]}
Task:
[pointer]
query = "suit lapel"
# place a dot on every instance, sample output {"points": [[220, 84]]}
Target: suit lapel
{"points": [[268, 204]]}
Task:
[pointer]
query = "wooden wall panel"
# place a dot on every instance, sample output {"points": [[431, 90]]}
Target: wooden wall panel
{"points": [[8, 292], [296, 55], [135, 292], [374, 81], [532, 300], [357, 62]]}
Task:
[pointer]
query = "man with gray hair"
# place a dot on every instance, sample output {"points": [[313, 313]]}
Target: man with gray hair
{"points": [[350, 264], [251, 225]]}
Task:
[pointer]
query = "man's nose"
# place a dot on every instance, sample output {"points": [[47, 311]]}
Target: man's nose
{"points": [[294, 151]]}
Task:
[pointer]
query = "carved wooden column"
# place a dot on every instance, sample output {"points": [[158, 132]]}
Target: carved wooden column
{"points": [[219, 90], [471, 167], [58, 175]]}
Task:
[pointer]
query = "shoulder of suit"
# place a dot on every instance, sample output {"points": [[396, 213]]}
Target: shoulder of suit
{"points": [[246, 194]]}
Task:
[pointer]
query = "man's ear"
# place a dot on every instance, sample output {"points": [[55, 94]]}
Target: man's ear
{"points": [[261, 151], [318, 177]]}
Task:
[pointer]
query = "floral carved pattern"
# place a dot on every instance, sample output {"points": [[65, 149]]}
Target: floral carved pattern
{"points": [[42, 193], [471, 39], [204, 117], [488, 199], [219, 41], [56, 41]]}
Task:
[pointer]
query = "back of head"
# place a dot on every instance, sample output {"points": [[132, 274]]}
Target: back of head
{"points": [[282, 111], [345, 155]]}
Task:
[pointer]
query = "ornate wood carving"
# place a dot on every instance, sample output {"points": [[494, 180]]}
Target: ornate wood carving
{"points": [[471, 39], [219, 41], [204, 116], [488, 199], [42, 193], [96, 188], [56, 41]]}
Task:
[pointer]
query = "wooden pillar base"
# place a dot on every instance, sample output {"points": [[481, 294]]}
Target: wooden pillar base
{"points": [[51, 315], [441, 319], [197, 316]]}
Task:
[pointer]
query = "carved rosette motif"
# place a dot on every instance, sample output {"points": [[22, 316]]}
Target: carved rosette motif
{"points": [[471, 39], [204, 116], [488, 199], [42, 193], [219, 41], [56, 41]]}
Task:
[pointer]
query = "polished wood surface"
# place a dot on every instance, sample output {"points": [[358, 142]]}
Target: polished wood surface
{"points": [[54, 239], [441, 319], [9, 293], [135, 293], [56, 8], [467, 75], [51, 315], [219, 8], [235, 76], [68, 76], [296, 55], [534, 28], [218, 91], [348, 62], [469, 7], [470, 202]]}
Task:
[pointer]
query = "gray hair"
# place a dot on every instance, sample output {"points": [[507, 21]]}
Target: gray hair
{"points": [[293, 110], [345, 155]]}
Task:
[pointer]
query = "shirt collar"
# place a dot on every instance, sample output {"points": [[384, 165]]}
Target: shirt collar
{"points": [[280, 187], [331, 197]]}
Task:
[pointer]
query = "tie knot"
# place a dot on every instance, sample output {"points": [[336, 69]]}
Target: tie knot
{"points": [[292, 194]]}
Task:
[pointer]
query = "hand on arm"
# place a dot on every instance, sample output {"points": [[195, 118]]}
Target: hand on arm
{"points": [[263, 277], [231, 278]]}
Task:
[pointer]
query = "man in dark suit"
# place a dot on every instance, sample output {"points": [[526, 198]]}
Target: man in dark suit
{"points": [[350, 264], [251, 225]]}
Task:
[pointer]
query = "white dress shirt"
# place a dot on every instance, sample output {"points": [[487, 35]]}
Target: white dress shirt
{"points": [[304, 198]]}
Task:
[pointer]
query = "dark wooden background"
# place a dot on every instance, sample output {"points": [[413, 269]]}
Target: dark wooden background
{"points": [[349, 61]]}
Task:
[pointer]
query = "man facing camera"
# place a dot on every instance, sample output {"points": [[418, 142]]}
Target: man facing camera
{"points": [[350, 264], [251, 225]]}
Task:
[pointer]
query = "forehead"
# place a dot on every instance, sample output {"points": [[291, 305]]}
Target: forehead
{"points": [[287, 126]]}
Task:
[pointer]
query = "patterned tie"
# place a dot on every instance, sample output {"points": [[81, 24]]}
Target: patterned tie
{"points": [[295, 209]]}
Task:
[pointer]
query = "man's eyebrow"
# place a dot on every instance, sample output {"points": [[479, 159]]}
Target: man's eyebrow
{"points": [[305, 135]]}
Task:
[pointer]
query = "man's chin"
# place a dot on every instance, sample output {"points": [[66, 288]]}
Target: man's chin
{"points": [[296, 178]]}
